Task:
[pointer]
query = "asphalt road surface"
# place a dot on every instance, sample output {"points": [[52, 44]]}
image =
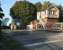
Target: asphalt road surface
{"points": [[39, 40]]}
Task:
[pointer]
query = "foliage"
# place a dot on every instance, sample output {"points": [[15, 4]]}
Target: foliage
{"points": [[23, 10], [38, 6], [5, 21], [43, 6], [61, 13], [1, 15]]}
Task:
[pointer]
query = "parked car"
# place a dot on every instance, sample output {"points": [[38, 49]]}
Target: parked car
{"points": [[57, 27]]}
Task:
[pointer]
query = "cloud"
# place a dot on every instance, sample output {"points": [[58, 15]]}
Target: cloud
{"points": [[19, 0]]}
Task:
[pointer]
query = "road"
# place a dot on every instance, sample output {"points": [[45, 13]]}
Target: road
{"points": [[39, 40]]}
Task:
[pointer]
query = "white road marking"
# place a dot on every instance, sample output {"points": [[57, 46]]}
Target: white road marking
{"points": [[40, 43]]}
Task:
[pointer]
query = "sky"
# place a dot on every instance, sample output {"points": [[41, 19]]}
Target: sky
{"points": [[7, 4]]}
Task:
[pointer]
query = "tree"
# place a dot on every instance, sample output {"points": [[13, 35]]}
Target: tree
{"points": [[61, 13], [1, 16], [5, 21], [46, 5], [24, 11], [38, 6], [43, 6]]}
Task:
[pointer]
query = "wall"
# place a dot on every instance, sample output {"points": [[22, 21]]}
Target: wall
{"points": [[51, 22]]}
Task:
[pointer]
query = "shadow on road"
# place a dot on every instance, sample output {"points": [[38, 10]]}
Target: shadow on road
{"points": [[30, 37]]}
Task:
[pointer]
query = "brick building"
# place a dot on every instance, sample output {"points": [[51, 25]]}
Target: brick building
{"points": [[45, 19], [48, 17]]}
